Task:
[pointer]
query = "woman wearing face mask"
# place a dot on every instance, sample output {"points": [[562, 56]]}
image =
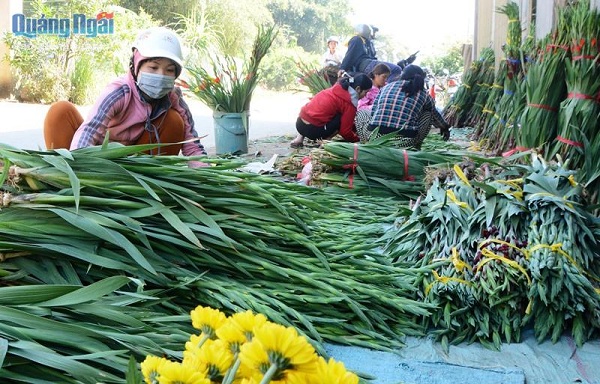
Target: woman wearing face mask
{"points": [[140, 107], [332, 111]]}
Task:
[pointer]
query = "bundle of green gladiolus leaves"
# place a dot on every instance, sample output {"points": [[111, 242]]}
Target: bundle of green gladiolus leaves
{"points": [[456, 112], [104, 252], [378, 168]]}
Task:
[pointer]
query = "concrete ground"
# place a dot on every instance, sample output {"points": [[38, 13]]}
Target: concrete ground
{"points": [[271, 114]]}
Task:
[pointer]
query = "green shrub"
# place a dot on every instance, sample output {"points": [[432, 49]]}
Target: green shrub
{"points": [[48, 68], [82, 80], [42, 84], [280, 70]]}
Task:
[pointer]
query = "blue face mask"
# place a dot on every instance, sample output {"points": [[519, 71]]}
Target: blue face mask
{"points": [[154, 85]]}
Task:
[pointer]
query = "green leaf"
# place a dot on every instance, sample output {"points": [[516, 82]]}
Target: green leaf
{"points": [[176, 223], [61, 164], [101, 232], [3, 350], [34, 352], [89, 293], [133, 375], [84, 255], [32, 294]]}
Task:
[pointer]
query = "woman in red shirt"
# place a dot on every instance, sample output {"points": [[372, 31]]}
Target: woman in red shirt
{"points": [[332, 111]]}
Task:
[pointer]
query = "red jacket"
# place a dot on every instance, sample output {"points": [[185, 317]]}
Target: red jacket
{"points": [[321, 109]]}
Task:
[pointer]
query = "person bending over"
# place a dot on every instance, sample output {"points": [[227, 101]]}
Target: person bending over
{"points": [[332, 111], [360, 55], [140, 107], [405, 108]]}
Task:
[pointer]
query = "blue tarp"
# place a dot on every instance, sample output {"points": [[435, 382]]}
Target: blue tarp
{"points": [[424, 361]]}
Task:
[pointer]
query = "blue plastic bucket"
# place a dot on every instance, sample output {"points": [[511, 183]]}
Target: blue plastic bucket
{"points": [[231, 132]]}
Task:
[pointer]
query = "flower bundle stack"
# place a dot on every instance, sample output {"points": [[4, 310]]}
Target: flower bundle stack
{"points": [[545, 89], [508, 137], [379, 169], [482, 88], [578, 117], [483, 132], [512, 48], [511, 251], [503, 125], [501, 128], [457, 110]]}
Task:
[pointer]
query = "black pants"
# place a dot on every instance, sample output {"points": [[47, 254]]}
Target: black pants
{"points": [[315, 132]]}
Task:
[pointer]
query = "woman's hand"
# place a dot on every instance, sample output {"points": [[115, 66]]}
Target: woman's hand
{"points": [[445, 132]]}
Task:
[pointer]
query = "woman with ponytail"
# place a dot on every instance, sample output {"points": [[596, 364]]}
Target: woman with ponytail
{"points": [[404, 107], [332, 111]]}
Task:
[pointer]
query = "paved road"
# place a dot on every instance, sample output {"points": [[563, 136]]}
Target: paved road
{"points": [[271, 114]]}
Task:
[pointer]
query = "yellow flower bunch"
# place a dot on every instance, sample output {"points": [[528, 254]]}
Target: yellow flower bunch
{"points": [[244, 348]]}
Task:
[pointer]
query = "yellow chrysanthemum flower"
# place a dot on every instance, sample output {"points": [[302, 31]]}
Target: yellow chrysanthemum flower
{"points": [[279, 349], [328, 372], [208, 320], [247, 321], [301, 378], [177, 373], [150, 368], [195, 342], [232, 334], [334, 372], [213, 359], [249, 381]]}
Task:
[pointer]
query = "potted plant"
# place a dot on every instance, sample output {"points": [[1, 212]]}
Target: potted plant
{"points": [[226, 85]]}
